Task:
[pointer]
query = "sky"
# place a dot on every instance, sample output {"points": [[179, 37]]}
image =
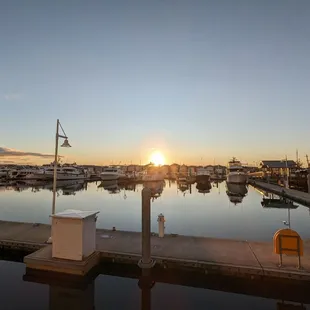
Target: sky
{"points": [[199, 81]]}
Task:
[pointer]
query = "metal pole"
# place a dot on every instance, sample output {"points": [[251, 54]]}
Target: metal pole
{"points": [[287, 178], [146, 261], [146, 284], [146, 225], [55, 169]]}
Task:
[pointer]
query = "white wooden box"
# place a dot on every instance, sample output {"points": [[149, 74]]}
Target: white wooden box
{"points": [[74, 234]]}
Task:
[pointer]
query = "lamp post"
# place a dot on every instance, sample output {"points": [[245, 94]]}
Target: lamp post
{"points": [[65, 144]]}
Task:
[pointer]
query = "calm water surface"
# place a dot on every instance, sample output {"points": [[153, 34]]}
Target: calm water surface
{"points": [[187, 211], [108, 292]]}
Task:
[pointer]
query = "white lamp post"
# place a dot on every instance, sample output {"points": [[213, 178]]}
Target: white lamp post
{"points": [[65, 144]]}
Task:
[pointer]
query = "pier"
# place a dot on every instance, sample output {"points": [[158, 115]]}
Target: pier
{"points": [[292, 194], [207, 256]]}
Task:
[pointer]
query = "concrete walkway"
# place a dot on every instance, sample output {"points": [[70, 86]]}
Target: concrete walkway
{"points": [[251, 257]]}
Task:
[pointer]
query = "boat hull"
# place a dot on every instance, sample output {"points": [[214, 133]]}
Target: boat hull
{"points": [[60, 176], [109, 177], [237, 178], [202, 178]]}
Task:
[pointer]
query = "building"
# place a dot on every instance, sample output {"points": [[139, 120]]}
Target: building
{"points": [[174, 168], [278, 168]]}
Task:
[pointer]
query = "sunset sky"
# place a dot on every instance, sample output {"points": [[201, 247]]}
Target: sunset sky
{"points": [[199, 81]]}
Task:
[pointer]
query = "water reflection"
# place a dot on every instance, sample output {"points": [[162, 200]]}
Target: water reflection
{"points": [[67, 187], [184, 187], [203, 209], [204, 187], [156, 188], [157, 289], [110, 185], [236, 192]]}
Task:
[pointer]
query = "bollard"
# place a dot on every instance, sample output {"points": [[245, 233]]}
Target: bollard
{"points": [[146, 261], [161, 225]]}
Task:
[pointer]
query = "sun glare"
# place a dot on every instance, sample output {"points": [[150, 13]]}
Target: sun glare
{"points": [[157, 159]]}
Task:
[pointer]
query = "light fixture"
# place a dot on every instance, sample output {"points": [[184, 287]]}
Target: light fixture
{"points": [[66, 143]]}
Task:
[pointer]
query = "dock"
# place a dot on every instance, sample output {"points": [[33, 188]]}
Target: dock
{"points": [[292, 194], [253, 260]]}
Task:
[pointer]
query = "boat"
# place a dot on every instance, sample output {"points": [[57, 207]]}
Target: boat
{"points": [[63, 173], [112, 173], [235, 172], [22, 173], [202, 175], [236, 192]]}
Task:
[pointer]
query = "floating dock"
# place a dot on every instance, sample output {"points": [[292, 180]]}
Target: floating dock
{"points": [[292, 194], [204, 255]]}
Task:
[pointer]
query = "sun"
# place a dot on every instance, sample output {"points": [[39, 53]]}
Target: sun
{"points": [[157, 158]]}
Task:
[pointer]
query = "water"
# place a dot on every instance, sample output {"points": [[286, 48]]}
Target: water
{"points": [[109, 292], [186, 210]]}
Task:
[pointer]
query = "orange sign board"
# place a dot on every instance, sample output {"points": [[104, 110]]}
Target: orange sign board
{"points": [[287, 241]]}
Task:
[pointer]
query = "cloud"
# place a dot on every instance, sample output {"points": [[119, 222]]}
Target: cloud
{"points": [[12, 96], [6, 152]]}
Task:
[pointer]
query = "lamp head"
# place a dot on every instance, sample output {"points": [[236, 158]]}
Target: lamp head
{"points": [[66, 143]]}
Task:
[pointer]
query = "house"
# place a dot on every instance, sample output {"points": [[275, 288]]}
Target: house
{"points": [[165, 169], [210, 169], [132, 168], [220, 170], [183, 169], [278, 167], [192, 170], [174, 168]]}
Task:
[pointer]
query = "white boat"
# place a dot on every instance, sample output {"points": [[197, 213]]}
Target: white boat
{"points": [[63, 173], [112, 173], [236, 173], [202, 175], [21, 173]]}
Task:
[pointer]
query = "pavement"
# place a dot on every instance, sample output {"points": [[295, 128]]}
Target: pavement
{"points": [[256, 255]]}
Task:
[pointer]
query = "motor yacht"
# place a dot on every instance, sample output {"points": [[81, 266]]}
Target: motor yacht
{"points": [[202, 175], [112, 173], [235, 172], [63, 173]]}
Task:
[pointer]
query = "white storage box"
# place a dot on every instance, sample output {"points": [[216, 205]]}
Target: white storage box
{"points": [[74, 234]]}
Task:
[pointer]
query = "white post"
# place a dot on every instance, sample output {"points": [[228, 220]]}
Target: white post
{"points": [[161, 225]]}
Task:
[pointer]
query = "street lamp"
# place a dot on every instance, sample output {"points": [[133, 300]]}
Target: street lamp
{"points": [[65, 144]]}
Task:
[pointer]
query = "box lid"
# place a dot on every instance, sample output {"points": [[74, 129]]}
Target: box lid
{"points": [[75, 214]]}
